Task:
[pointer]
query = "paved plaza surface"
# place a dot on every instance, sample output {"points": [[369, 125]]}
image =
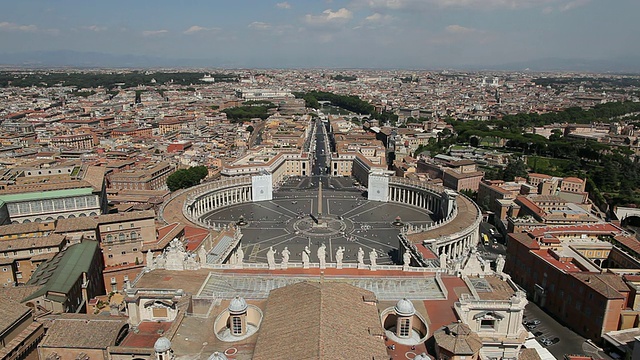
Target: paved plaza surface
{"points": [[347, 219], [226, 286]]}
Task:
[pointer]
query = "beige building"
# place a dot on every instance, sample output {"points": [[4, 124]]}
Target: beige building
{"points": [[494, 311], [146, 177]]}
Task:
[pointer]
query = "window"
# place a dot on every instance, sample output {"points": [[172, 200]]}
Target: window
{"points": [[113, 280], [124, 253], [110, 256], [133, 235], [487, 324], [120, 227], [236, 325], [135, 249], [109, 238], [4, 269], [126, 278], [404, 328], [121, 236]]}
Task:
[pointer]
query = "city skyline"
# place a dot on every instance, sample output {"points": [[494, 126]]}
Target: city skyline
{"points": [[335, 34]]}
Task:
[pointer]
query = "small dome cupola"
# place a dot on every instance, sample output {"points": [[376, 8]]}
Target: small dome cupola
{"points": [[163, 350], [237, 306], [404, 307], [217, 356], [162, 345]]}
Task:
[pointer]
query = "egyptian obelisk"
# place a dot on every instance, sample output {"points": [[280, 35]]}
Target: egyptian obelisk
{"points": [[319, 200]]}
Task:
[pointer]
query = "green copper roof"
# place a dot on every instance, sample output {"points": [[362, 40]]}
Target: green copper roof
{"points": [[62, 272], [41, 195]]}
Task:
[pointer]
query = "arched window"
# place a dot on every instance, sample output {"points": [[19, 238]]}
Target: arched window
{"points": [[134, 235], [121, 236], [109, 237]]}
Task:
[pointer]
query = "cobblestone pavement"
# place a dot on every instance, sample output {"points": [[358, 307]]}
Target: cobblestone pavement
{"points": [[349, 220]]}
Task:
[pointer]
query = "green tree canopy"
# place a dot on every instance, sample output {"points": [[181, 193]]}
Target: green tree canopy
{"points": [[185, 178]]}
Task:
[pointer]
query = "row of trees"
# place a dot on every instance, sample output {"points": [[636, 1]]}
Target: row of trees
{"points": [[248, 112], [105, 80], [348, 102], [185, 178]]}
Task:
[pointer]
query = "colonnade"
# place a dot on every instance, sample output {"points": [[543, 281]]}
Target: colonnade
{"points": [[219, 198], [431, 198], [421, 198], [458, 246]]}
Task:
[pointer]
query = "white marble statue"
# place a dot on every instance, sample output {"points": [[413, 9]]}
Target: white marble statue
{"points": [[339, 257], [443, 260], [150, 264], [322, 256], [500, 264], [360, 258], [239, 256], [285, 258], [406, 260], [202, 255], [373, 256], [305, 257], [271, 258]]}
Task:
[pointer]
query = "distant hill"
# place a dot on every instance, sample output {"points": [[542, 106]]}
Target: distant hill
{"points": [[619, 65], [69, 58]]}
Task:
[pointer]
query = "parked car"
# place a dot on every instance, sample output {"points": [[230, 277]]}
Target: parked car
{"points": [[531, 322], [549, 341], [537, 333]]}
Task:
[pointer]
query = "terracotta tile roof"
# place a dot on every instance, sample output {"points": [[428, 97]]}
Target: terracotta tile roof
{"points": [[524, 239], [94, 175], [10, 312], [630, 242], [32, 243], [313, 320], [529, 354], [24, 228], [458, 339], [165, 235], [96, 333], [128, 216], [565, 266], [608, 285], [573, 180], [194, 236], [601, 228], [76, 224], [526, 202]]}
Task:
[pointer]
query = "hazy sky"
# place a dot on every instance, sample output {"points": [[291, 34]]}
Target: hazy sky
{"points": [[331, 33]]}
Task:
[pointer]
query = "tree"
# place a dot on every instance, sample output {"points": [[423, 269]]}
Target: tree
{"points": [[250, 129], [474, 141], [515, 168], [185, 178]]}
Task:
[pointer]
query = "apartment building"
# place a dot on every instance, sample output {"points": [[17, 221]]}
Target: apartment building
{"points": [[149, 176]]}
